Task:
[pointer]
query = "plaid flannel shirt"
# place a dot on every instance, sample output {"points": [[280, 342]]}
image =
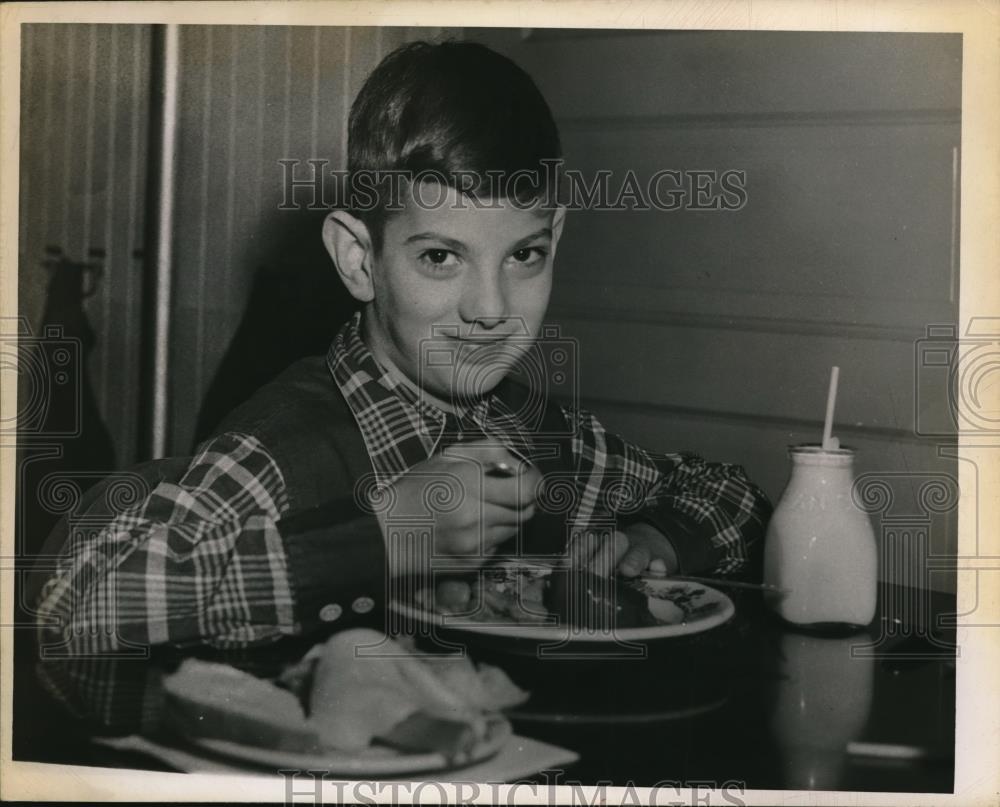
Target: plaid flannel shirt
{"points": [[210, 558]]}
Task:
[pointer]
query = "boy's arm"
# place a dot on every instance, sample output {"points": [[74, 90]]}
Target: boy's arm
{"points": [[712, 514], [212, 558]]}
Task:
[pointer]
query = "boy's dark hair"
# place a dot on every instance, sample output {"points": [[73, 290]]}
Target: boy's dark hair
{"points": [[457, 112]]}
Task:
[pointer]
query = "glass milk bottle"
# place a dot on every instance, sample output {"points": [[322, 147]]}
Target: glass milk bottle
{"points": [[820, 547]]}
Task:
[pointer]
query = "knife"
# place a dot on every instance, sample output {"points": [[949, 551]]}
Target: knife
{"points": [[720, 582]]}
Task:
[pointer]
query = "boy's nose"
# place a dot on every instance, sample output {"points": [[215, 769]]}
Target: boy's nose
{"points": [[484, 304]]}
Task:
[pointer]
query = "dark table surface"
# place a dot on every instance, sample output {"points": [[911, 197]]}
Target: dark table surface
{"points": [[753, 704], [762, 706]]}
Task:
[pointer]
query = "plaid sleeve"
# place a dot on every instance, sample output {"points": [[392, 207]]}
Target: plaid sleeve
{"points": [[198, 560], [712, 513], [211, 558]]}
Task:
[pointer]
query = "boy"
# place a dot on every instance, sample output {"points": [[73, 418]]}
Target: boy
{"points": [[313, 494]]}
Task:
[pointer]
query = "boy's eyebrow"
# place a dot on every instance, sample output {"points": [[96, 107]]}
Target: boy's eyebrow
{"points": [[544, 232], [432, 236], [453, 243]]}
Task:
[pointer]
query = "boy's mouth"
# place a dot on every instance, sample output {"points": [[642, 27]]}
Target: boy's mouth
{"points": [[485, 349], [482, 340]]}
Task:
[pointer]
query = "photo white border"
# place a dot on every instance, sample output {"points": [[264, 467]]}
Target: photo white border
{"points": [[977, 777]]}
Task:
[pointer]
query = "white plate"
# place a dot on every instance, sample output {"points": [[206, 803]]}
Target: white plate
{"points": [[618, 718], [376, 761], [710, 608]]}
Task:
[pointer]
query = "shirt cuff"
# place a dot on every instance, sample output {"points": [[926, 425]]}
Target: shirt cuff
{"points": [[694, 549], [336, 566]]}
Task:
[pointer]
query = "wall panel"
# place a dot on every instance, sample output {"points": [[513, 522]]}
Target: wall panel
{"points": [[714, 331]]}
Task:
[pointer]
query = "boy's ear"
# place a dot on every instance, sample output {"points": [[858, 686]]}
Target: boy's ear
{"points": [[349, 243]]}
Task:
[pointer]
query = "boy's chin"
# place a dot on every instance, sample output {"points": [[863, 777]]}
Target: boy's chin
{"points": [[469, 386], [471, 379], [466, 393]]}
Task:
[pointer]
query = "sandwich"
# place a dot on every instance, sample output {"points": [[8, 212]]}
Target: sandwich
{"points": [[355, 692]]}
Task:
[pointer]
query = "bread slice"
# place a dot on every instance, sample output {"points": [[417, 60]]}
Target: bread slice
{"points": [[210, 700]]}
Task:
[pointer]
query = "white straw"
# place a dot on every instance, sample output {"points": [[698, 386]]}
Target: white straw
{"points": [[830, 442]]}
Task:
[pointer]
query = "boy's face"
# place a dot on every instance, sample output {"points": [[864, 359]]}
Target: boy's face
{"points": [[459, 291]]}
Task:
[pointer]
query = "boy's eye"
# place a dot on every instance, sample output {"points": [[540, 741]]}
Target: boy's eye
{"points": [[438, 258], [528, 255]]}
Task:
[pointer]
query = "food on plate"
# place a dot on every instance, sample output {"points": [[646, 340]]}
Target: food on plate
{"points": [[453, 596], [364, 685], [357, 690], [586, 600], [498, 595], [664, 611], [545, 595]]}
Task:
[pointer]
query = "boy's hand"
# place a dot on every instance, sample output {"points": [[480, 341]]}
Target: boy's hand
{"points": [[476, 513], [598, 551], [648, 549], [640, 548]]}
